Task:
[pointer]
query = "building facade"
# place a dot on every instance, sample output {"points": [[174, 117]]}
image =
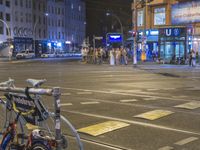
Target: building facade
{"points": [[53, 26], [172, 28], [5, 20]]}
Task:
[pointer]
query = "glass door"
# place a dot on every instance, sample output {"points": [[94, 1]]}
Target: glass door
{"points": [[179, 50]]}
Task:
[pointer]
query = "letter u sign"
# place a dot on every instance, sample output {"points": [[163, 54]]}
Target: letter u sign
{"points": [[168, 32]]}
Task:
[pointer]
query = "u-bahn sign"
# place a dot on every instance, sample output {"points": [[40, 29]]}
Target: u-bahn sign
{"points": [[114, 38], [173, 32]]}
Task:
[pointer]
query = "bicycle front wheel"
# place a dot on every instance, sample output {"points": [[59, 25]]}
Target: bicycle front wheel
{"points": [[39, 146]]}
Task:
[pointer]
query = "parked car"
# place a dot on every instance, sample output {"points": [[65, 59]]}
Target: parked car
{"points": [[25, 54], [48, 55]]}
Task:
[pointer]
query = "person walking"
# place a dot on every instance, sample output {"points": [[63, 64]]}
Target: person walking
{"points": [[193, 53], [112, 57]]}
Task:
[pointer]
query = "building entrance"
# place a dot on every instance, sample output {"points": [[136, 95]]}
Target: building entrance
{"points": [[173, 52], [172, 43]]}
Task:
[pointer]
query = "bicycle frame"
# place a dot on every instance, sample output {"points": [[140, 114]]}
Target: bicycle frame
{"points": [[36, 91]]}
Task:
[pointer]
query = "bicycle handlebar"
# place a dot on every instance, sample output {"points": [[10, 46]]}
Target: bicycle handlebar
{"points": [[31, 90]]}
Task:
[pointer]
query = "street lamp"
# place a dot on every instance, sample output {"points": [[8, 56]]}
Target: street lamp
{"points": [[34, 30], [9, 34], [118, 19]]}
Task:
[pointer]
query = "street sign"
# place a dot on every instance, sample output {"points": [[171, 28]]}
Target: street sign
{"points": [[98, 37]]}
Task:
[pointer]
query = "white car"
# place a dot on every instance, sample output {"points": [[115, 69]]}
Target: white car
{"points": [[48, 55], [25, 54]]}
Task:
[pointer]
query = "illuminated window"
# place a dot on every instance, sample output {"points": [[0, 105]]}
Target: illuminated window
{"points": [[140, 18], [159, 16]]}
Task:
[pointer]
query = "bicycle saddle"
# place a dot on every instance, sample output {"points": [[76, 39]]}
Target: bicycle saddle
{"points": [[36, 83], [9, 83]]}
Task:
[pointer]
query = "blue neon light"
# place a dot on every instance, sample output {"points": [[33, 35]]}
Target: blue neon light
{"points": [[114, 38]]}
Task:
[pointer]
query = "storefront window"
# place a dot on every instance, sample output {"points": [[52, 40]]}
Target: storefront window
{"points": [[140, 18], [159, 16]]}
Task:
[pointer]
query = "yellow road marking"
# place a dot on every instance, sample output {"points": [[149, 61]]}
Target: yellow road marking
{"points": [[155, 114], [190, 105], [101, 128]]}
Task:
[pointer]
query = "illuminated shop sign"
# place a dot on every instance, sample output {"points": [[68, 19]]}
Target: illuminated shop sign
{"points": [[186, 12], [114, 38]]}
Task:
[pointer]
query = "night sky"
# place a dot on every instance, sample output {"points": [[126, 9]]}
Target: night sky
{"points": [[99, 24]]}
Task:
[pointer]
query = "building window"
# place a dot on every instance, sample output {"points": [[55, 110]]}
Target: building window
{"points": [[79, 8], [52, 10], [58, 23], [7, 17], [21, 16], [26, 3], [159, 16], [58, 11], [16, 16], [140, 18], [21, 3], [29, 4], [27, 18], [1, 15], [72, 6], [7, 32], [39, 33], [16, 2], [7, 3], [1, 29]]}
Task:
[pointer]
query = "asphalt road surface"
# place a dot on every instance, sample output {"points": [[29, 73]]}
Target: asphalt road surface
{"points": [[95, 94]]}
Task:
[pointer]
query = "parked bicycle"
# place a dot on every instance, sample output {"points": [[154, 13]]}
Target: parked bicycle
{"points": [[24, 107]]}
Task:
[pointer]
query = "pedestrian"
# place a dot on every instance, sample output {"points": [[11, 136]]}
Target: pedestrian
{"points": [[190, 58], [112, 57], [193, 53]]}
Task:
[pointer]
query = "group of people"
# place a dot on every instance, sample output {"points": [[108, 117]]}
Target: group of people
{"points": [[118, 56], [115, 56], [91, 55]]}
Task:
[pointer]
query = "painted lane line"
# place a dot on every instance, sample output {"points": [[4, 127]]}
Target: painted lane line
{"points": [[128, 100], [153, 89], [140, 105], [65, 94], [82, 93], [66, 104], [135, 122], [166, 148], [150, 99], [89, 103], [106, 145], [186, 141], [124, 94]]}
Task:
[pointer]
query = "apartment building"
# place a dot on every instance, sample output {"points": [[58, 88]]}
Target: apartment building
{"points": [[42, 25], [172, 27], [5, 20]]}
